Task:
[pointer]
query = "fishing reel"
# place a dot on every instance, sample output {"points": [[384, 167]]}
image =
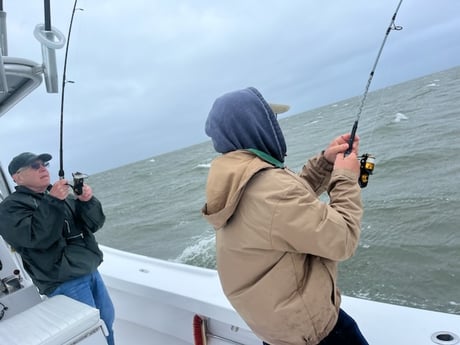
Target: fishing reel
{"points": [[367, 163], [78, 179]]}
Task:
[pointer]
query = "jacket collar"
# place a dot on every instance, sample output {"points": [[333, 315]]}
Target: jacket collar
{"points": [[267, 158]]}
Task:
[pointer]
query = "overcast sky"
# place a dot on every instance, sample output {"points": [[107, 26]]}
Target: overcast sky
{"points": [[146, 71]]}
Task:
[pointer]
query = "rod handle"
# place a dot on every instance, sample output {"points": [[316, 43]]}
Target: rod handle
{"points": [[352, 138]]}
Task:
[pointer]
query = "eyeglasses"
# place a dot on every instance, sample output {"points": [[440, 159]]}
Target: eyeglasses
{"points": [[38, 165], [35, 166]]}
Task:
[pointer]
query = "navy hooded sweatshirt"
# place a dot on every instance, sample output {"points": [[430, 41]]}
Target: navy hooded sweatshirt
{"points": [[242, 120]]}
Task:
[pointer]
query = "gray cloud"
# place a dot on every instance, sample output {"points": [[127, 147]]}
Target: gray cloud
{"points": [[147, 72]]}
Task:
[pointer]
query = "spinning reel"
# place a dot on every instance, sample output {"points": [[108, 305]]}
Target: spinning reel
{"points": [[78, 179], [367, 163]]}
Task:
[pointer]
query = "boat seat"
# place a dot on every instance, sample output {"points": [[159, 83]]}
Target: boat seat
{"points": [[55, 321]]}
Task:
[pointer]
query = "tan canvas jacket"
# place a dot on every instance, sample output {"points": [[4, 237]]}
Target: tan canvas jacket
{"points": [[277, 244]]}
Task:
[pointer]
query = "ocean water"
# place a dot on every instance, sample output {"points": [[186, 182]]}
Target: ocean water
{"points": [[409, 252]]}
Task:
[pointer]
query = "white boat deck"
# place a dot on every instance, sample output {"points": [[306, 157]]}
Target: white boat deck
{"points": [[167, 287]]}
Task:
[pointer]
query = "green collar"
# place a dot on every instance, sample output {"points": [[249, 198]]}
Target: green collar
{"points": [[266, 157]]}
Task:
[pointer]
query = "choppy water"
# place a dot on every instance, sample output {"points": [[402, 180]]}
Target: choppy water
{"points": [[409, 251]]}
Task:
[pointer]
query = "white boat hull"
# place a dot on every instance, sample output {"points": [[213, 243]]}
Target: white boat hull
{"points": [[156, 301]]}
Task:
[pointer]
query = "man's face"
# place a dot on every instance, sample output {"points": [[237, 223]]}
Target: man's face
{"points": [[35, 176]]}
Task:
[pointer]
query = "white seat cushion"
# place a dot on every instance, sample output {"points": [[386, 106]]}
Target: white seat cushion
{"points": [[51, 322]]}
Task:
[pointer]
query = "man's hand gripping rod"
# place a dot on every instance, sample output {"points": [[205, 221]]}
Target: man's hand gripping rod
{"points": [[367, 161]]}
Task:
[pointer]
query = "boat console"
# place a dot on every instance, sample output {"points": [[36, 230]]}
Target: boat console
{"points": [[19, 77], [16, 293]]}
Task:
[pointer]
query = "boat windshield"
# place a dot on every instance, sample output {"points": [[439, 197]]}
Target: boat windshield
{"points": [[4, 186]]}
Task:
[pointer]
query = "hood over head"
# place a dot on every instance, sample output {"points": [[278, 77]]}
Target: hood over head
{"points": [[242, 120]]}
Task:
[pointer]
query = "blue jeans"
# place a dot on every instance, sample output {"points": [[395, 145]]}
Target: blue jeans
{"points": [[90, 289], [345, 332]]}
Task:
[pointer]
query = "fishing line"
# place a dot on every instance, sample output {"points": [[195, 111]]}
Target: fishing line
{"points": [[64, 82], [78, 178], [367, 160]]}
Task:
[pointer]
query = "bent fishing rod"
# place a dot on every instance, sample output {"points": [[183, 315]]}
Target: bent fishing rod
{"points": [[78, 178], [367, 161]]}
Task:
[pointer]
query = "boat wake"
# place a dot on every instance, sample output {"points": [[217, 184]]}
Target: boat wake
{"points": [[200, 253]]}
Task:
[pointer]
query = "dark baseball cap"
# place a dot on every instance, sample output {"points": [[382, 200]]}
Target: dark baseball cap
{"points": [[25, 159]]}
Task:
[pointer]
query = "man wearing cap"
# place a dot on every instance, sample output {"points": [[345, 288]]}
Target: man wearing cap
{"points": [[277, 244], [53, 231]]}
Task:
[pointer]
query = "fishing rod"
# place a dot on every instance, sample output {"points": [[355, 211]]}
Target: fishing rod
{"points": [[367, 161], [78, 178]]}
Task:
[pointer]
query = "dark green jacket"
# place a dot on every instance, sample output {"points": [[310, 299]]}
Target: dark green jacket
{"points": [[55, 238]]}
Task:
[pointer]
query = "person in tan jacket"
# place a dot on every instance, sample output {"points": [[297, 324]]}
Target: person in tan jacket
{"points": [[277, 243]]}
